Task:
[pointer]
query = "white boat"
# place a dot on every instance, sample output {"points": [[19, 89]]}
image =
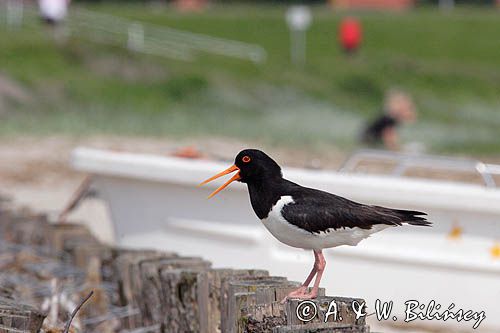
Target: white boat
{"points": [[154, 201]]}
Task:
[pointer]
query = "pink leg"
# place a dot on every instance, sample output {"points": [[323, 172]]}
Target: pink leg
{"points": [[318, 268], [308, 280]]}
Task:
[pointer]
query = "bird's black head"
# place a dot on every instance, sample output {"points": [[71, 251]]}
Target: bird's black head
{"points": [[255, 165], [252, 165]]}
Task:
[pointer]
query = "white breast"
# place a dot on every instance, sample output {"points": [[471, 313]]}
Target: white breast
{"points": [[296, 237]]}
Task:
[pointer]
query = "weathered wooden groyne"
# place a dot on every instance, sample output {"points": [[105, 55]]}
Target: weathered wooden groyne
{"points": [[47, 268]]}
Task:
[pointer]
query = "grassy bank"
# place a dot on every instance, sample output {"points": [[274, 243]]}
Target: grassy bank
{"points": [[448, 61]]}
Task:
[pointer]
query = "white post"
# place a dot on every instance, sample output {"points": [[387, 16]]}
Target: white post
{"points": [[446, 4], [298, 19], [298, 46], [14, 13], [135, 40]]}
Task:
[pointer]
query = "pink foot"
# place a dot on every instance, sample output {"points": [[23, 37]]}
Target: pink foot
{"points": [[301, 293]]}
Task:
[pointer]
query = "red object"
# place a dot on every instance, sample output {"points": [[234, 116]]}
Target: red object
{"points": [[350, 34], [188, 152]]}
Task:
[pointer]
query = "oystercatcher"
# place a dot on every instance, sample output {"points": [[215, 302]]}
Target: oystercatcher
{"points": [[308, 218]]}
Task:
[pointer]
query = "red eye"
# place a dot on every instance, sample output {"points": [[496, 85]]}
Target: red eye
{"points": [[246, 159]]}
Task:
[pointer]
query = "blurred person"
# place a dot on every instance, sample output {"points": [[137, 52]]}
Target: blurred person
{"points": [[398, 109], [53, 11]]}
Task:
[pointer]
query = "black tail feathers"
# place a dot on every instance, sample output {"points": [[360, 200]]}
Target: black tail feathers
{"points": [[401, 216], [414, 217]]}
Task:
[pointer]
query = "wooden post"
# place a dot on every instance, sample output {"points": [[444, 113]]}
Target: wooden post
{"points": [[163, 291], [18, 317], [344, 313], [128, 272], [27, 230], [218, 282], [152, 302], [185, 300], [249, 292], [60, 236], [320, 328], [277, 318]]}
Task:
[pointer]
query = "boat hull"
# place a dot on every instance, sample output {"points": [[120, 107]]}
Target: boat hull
{"points": [[154, 202]]}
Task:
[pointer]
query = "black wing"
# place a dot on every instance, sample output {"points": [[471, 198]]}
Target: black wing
{"points": [[317, 211]]}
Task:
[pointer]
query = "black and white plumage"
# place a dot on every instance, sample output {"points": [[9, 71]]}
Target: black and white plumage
{"points": [[308, 218], [313, 219]]}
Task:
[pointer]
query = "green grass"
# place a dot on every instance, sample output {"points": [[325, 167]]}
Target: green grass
{"points": [[450, 62]]}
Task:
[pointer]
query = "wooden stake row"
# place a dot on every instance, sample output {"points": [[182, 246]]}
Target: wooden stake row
{"points": [[152, 291]]}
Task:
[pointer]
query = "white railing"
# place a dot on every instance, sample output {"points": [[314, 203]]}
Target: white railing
{"points": [[404, 162], [137, 36]]}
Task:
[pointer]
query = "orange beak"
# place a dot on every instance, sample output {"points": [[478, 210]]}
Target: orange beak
{"points": [[223, 173]]}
